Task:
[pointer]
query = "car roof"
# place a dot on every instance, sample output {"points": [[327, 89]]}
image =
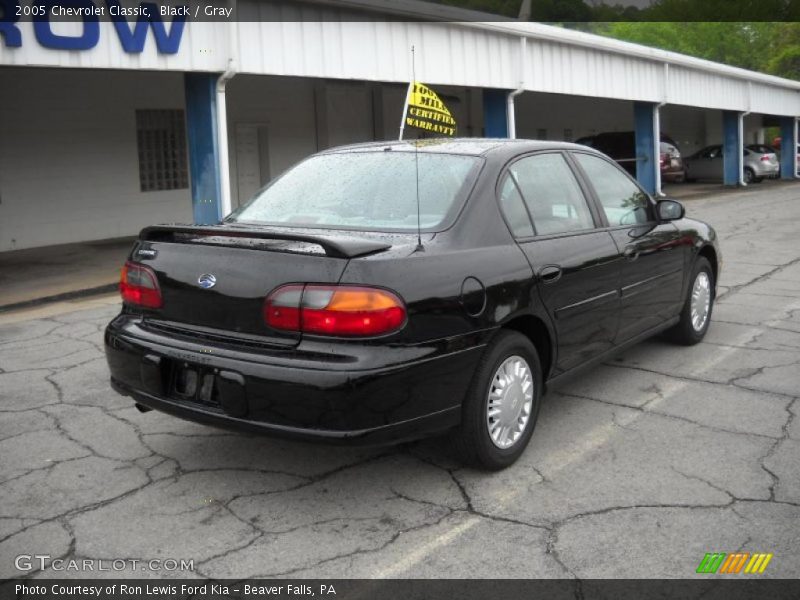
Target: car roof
{"points": [[463, 146]]}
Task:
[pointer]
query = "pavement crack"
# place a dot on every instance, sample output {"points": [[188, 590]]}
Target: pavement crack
{"points": [[731, 381], [469, 505], [776, 480], [703, 480], [357, 552], [643, 409], [732, 290]]}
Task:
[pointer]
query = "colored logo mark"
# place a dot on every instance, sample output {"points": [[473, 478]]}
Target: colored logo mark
{"points": [[735, 562]]}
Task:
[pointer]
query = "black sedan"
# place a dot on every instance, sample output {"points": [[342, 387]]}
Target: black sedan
{"points": [[382, 292]]}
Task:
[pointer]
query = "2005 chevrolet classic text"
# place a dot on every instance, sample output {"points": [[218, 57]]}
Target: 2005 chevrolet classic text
{"points": [[381, 292]]}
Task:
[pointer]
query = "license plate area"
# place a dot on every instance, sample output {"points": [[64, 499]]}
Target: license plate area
{"points": [[194, 383]]}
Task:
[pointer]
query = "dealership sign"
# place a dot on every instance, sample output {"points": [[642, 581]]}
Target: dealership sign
{"points": [[132, 35]]}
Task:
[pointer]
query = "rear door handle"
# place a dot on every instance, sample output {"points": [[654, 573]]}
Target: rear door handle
{"points": [[550, 274]]}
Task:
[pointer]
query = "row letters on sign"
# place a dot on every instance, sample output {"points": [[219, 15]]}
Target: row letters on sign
{"points": [[132, 34]]}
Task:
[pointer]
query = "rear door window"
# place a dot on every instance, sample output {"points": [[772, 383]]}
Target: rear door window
{"points": [[620, 198], [551, 193], [514, 209]]}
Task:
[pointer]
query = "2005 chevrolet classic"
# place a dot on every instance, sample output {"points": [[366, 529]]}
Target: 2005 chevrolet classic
{"points": [[381, 292]]}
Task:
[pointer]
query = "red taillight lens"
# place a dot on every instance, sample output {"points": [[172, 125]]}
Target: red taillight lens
{"points": [[138, 285], [766, 158], [338, 310]]}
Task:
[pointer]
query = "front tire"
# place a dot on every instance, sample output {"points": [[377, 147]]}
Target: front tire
{"points": [[502, 404], [696, 314]]}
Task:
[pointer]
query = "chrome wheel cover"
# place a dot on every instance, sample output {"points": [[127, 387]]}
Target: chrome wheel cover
{"points": [[700, 303], [510, 401]]}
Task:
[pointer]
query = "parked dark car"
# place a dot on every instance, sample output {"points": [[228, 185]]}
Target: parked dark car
{"points": [[621, 146], [383, 292]]}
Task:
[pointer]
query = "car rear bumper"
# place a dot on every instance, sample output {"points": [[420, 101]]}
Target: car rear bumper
{"points": [[767, 171], [416, 392]]}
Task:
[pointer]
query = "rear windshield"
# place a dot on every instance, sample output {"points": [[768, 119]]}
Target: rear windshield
{"points": [[371, 191], [761, 148]]}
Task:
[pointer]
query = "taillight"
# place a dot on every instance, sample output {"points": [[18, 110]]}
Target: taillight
{"points": [[766, 158], [138, 286], [663, 158], [337, 310], [282, 308]]}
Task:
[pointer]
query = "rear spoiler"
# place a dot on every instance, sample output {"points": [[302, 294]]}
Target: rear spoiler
{"points": [[334, 246]]}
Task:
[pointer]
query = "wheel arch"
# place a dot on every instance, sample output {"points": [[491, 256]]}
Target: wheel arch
{"points": [[537, 331], [710, 255]]}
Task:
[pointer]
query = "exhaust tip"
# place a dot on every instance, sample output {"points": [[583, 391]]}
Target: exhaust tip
{"points": [[142, 408]]}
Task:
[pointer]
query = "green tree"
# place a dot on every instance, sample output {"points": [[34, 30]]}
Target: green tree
{"points": [[748, 45], [784, 56]]}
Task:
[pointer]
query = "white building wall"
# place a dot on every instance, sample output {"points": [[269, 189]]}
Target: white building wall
{"points": [[710, 90], [285, 108], [69, 168], [565, 69]]}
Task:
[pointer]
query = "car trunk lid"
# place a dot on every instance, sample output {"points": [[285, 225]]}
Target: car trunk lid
{"points": [[214, 279]]}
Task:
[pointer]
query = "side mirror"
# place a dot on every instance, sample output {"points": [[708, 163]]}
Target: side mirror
{"points": [[670, 210]]}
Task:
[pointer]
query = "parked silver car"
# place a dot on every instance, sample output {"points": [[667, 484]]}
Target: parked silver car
{"points": [[760, 162]]}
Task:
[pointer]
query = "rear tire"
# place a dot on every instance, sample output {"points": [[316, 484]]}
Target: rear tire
{"points": [[695, 316], [749, 175], [498, 387]]}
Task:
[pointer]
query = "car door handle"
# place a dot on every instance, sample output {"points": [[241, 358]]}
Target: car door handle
{"points": [[550, 274], [630, 253]]}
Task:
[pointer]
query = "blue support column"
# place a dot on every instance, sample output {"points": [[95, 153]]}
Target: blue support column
{"points": [[495, 119], [731, 147], [201, 129], [647, 163], [788, 148]]}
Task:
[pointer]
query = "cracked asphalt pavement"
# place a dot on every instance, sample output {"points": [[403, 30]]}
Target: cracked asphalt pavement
{"points": [[636, 469]]}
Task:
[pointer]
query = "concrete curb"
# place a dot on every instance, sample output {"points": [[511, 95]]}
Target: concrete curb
{"points": [[93, 291]]}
